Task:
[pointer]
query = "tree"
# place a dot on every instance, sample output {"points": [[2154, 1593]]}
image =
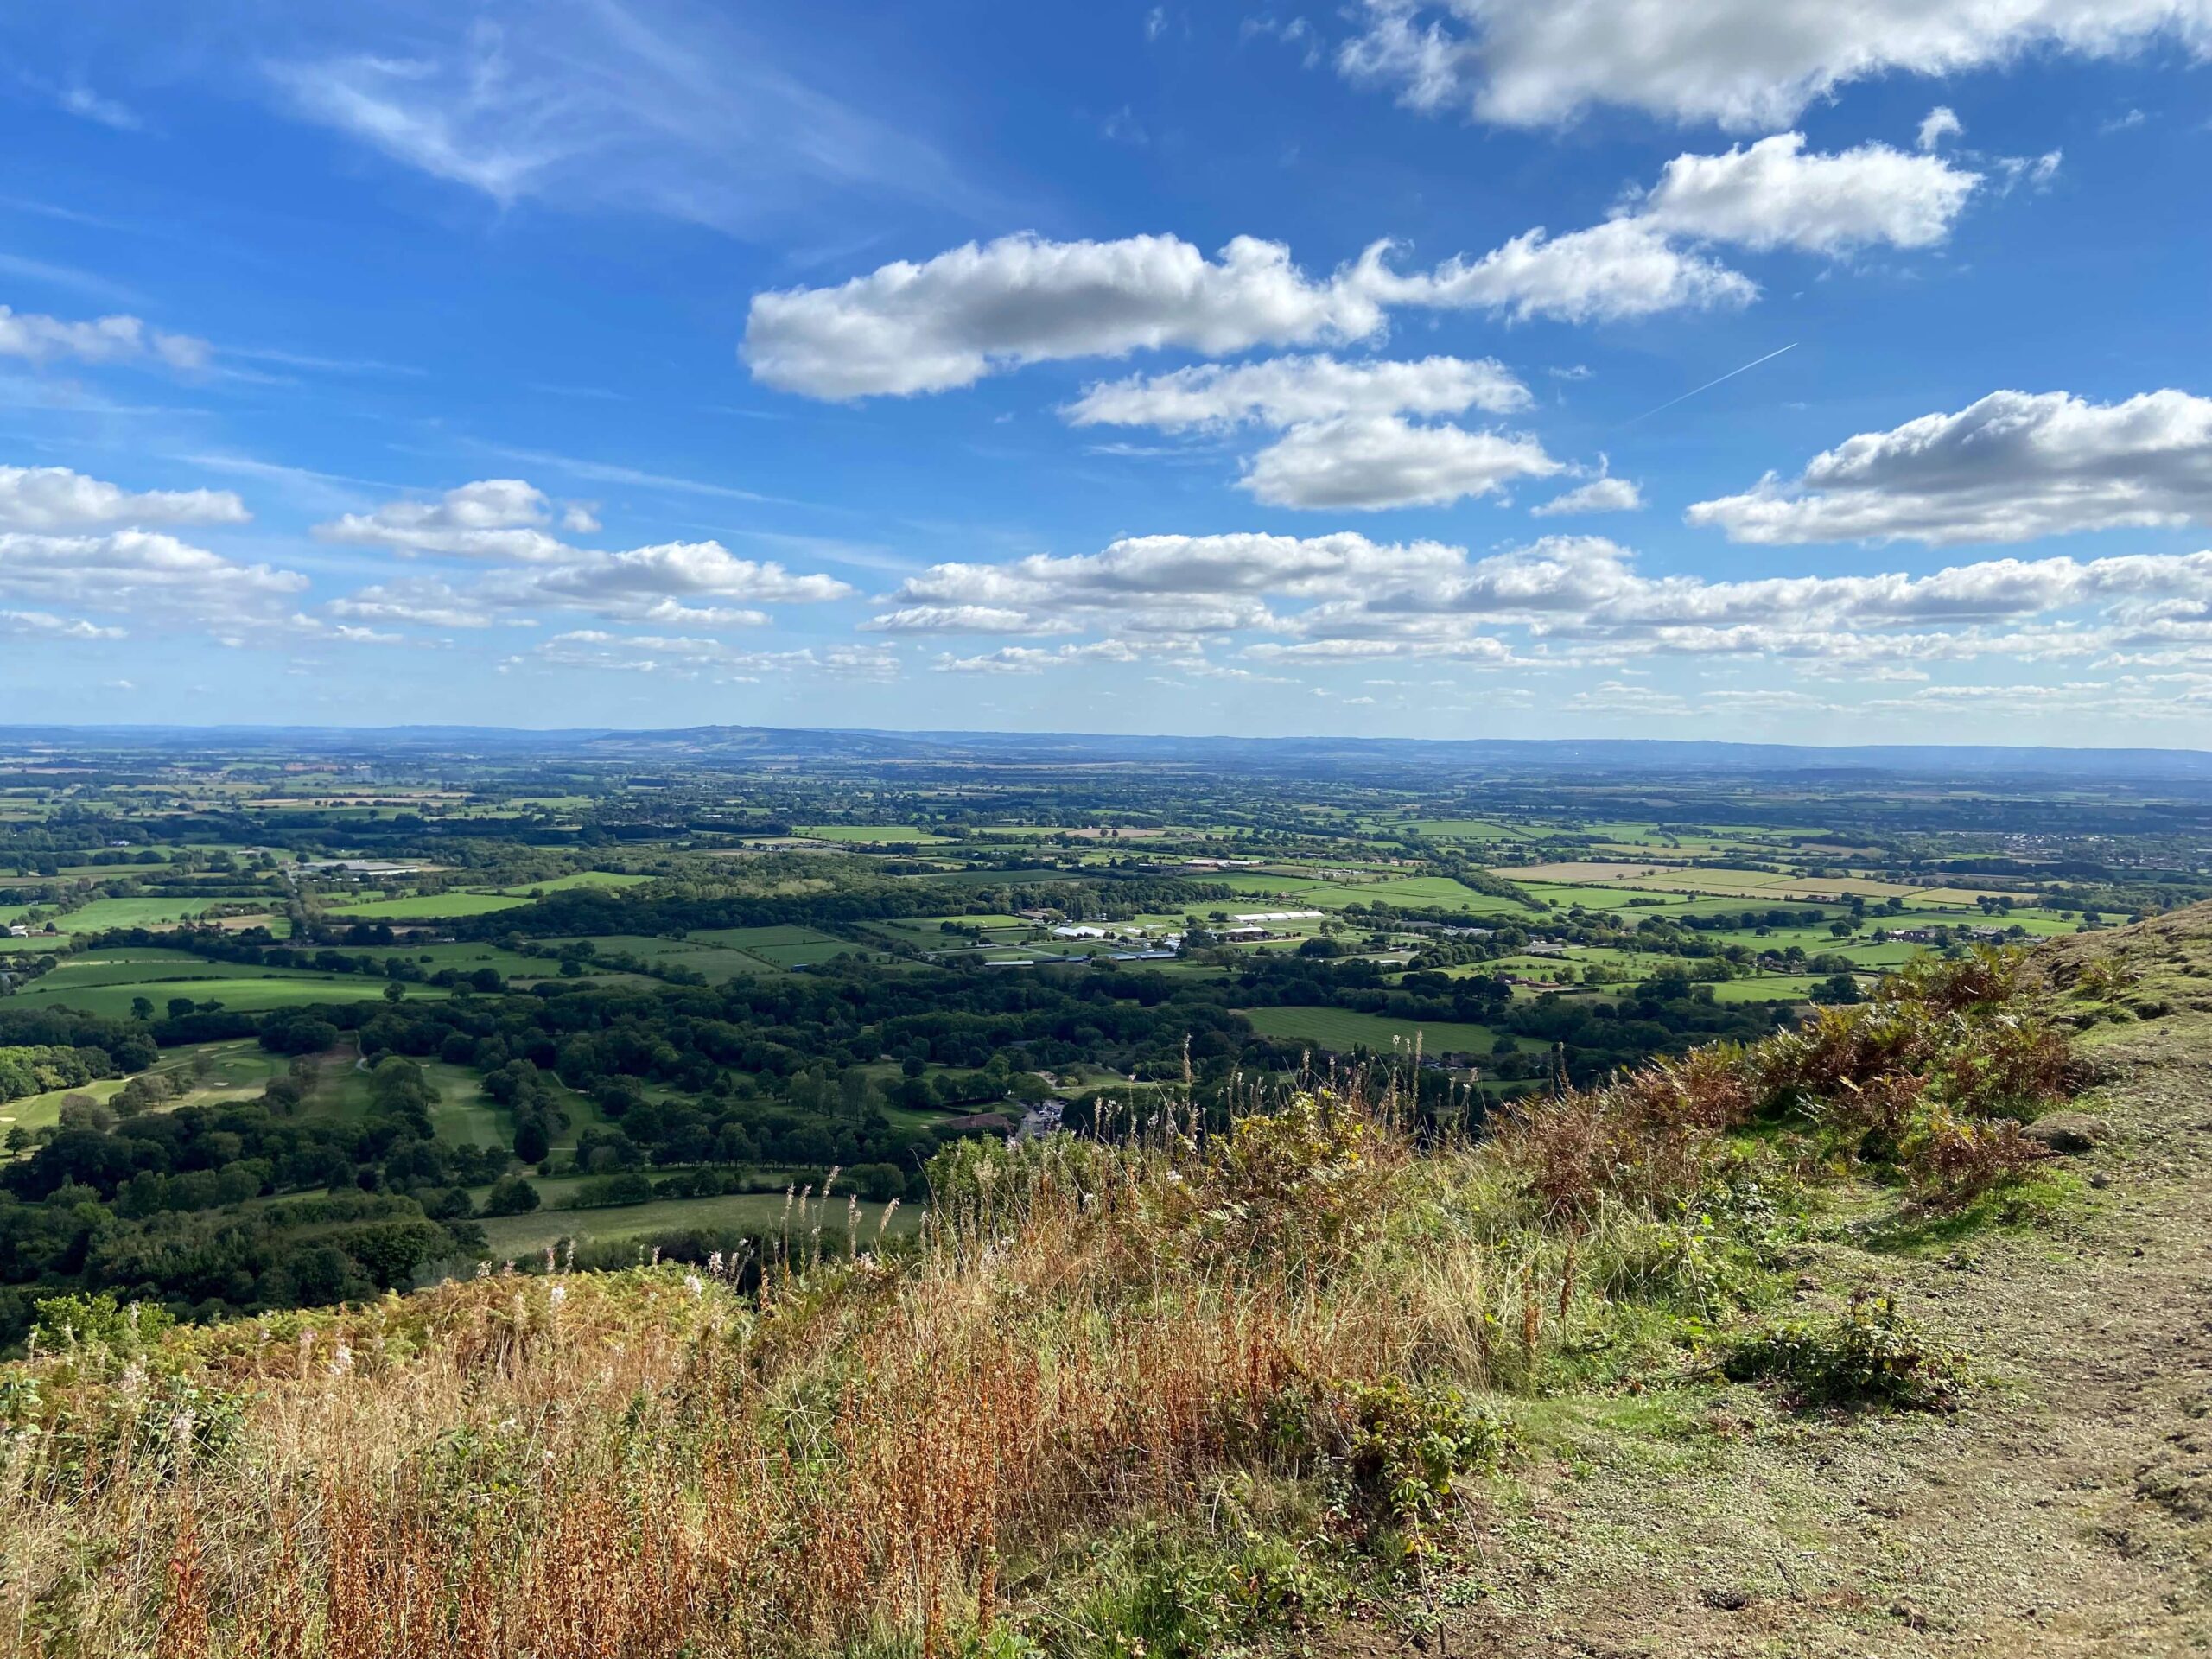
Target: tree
{"points": [[142, 1009], [532, 1144], [511, 1196], [394, 991]]}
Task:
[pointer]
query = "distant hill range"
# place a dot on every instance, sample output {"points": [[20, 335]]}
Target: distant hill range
{"points": [[1317, 756]]}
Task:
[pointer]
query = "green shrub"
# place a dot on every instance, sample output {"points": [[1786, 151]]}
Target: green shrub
{"points": [[1870, 1356], [1396, 1448]]}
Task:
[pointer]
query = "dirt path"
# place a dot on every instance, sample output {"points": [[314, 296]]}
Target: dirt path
{"points": [[2068, 1512]]}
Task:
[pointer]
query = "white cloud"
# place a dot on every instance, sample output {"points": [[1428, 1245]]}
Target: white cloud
{"points": [[1773, 194], [689, 656], [82, 101], [142, 576], [1183, 585], [118, 339], [964, 618], [1379, 461], [44, 625], [1939, 123], [2034, 172], [2009, 468], [56, 499], [949, 320], [1028, 659], [646, 106], [492, 518], [662, 584], [1745, 64], [1346, 445], [1620, 270], [977, 310], [1286, 390], [420, 601], [1598, 495], [692, 584], [1563, 601]]}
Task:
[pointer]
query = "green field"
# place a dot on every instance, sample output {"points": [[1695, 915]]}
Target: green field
{"points": [[1341, 1031], [102, 914], [265, 990], [510, 1237], [234, 1071], [428, 907], [603, 878]]}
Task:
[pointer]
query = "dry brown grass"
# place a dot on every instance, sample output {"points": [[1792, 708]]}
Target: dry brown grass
{"points": [[860, 1455]]}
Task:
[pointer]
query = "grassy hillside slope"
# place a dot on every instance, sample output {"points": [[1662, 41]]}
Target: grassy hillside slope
{"points": [[1806, 1349]]}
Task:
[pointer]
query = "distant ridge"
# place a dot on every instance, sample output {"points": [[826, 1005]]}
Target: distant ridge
{"points": [[1334, 756]]}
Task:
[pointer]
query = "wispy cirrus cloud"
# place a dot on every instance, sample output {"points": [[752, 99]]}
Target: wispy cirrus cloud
{"points": [[657, 106]]}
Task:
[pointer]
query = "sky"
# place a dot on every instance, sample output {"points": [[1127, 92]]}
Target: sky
{"points": [[1816, 370]]}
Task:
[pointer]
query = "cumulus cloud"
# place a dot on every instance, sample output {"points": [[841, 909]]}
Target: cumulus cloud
{"points": [[1598, 495], [56, 498], [1029, 659], [2009, 468], [492, 518], [142, 576], [1346, 445], [44, 625], [1773, 194], [1620, 270], [1179, 584], [1560, 601], [909, 328], [1744, 64], [1379, 461], [41, 339], [689, 584], [420, 601], [666, 584], [1288, 390], [949, 321], [964, 618]]}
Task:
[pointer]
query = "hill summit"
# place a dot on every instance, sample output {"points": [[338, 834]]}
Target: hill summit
{"points": [[1885, 1334]]}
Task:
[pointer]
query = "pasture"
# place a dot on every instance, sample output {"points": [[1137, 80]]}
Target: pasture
{"points": [[1341, 1031]]}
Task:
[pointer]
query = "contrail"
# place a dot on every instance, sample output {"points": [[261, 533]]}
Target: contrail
{"points": [[1709, 385]]}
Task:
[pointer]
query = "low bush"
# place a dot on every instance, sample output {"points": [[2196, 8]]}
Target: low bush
{"points": [[1870, 1355]]}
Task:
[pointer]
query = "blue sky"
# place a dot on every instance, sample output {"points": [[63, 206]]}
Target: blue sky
{"points": [[1222, 369]]}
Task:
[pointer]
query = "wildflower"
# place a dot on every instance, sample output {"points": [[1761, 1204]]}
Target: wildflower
{"points": [[342, 1361], [714, 1264], [695, 1285], [560, 1294]]}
